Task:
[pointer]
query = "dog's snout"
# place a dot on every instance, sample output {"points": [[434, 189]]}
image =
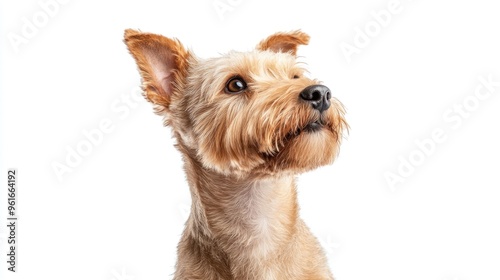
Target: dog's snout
{"points": [[318, 96]]}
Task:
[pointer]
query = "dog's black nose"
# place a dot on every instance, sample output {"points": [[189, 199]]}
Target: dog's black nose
{"points": [[318, 96]]}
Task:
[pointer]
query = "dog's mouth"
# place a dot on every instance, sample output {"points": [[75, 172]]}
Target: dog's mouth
{"points": [[310, 127], [314, 126]]}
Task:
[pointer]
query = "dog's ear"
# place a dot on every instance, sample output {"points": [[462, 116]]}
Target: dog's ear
{"points": [[284, 42], [162, 63]]}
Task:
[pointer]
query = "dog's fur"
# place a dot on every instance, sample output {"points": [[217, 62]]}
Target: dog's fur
{"points": [[241, 152]]}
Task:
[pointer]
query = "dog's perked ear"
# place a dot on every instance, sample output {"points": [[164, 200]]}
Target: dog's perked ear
{"points": [[162, 63], [287, 42]]}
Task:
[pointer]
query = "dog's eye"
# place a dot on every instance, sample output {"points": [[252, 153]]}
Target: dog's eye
{"points": [[296, 76], [235, 85]]}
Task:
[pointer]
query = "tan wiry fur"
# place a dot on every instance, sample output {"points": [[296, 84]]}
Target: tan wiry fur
{"points": [[241, 153]]}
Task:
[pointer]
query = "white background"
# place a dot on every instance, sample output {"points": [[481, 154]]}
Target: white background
{"points": [[120, 211]]}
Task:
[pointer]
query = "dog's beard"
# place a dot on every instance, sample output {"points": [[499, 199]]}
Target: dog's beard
{"points": [[313, 143]]}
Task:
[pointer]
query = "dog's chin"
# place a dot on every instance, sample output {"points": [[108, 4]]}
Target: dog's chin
{"points": [[314, 145]]}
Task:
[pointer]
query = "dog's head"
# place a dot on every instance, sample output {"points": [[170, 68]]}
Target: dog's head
{"points": [[243, 112]]}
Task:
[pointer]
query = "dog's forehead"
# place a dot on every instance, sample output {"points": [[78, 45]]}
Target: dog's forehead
{"points": [[253, 62]]}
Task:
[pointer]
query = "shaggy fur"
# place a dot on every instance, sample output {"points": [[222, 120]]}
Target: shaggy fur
{"points": [[241, 152]]}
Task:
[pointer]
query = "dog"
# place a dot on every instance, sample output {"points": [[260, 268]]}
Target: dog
{"points": [[246, 123]]}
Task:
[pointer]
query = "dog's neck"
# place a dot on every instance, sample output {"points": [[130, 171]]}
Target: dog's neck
{"points": [[245, 218]]}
